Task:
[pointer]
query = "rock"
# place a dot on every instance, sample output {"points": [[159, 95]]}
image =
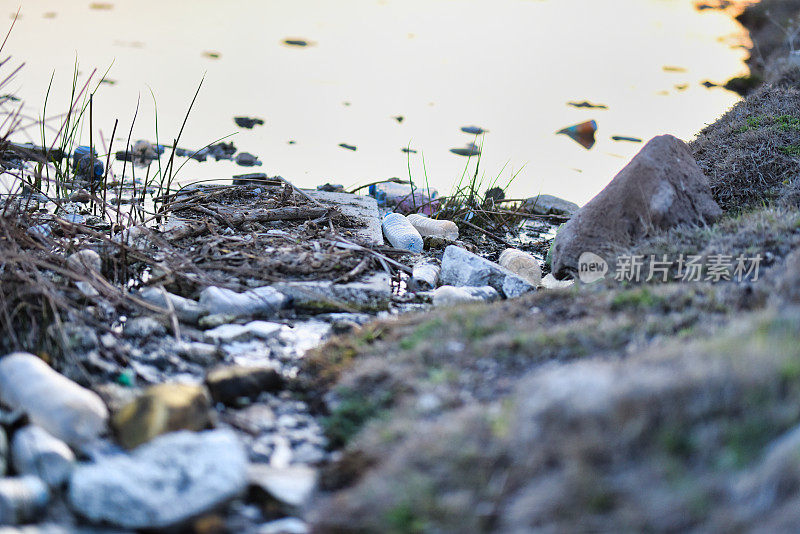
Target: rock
{"points": [[204, 354], [85, 260], [549, 205], [164, 483], [22, 499], [292, 485], [370, 294], [227, 333], [451, 295], [3, 452], [218, 319], [359, 207], [229, 383], [287, 525], [68, 411], [660, 188], [134, 237], [262, 301], [463, 268], [143, 328], [186, 310], [36, 452], [78, 338], [160, 409]]}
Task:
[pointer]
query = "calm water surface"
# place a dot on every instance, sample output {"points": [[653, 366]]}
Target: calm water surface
{"points": [[509, 66]]}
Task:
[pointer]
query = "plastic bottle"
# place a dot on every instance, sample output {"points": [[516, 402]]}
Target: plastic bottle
{"points": [[523, 264], [451, 295], [34, 451], [68, 411], [424, 276], [85, 163], [401, 234], [427, 226], [22, 499]]}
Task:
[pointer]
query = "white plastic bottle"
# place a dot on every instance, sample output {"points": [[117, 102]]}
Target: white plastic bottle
{"points": [[68, 411], [424, 276], [400, 233], [438, 227], [523, 264]]}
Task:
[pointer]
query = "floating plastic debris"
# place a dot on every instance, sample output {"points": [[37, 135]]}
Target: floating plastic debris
{"points": [[624, 138], [475, 130], [582, 133], [296, 42], [587, 105], [247, 122], [468, 151], [348, 147]]}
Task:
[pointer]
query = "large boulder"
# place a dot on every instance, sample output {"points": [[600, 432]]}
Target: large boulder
{"points": [[660, 188]]}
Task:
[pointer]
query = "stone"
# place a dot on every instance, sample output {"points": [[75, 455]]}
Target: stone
{"points": [[85, 260], [78, 337], [228, 333], [463, 268], [451, 295], [287, 525], [204, 354], [262, 301], [549, 205], [292, 486], [371, 294], [143, 328], [66, 410], [229, 383], [3, 452], [186, 310], [161, 409], [164, 483], [358, 207], [134, 237], [662, 187], [36, 452], [22, 499]]}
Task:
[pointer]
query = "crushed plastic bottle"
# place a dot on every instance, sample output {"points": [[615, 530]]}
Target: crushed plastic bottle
{"points": [[451, 295], [22, 499], [85, 163], [424, 276], [523, 264], [36, 452], [400, 233], [438, 227], [68, 411]]}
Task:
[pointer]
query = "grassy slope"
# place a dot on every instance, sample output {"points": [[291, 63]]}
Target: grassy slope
{"points": [[556, 409]]}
